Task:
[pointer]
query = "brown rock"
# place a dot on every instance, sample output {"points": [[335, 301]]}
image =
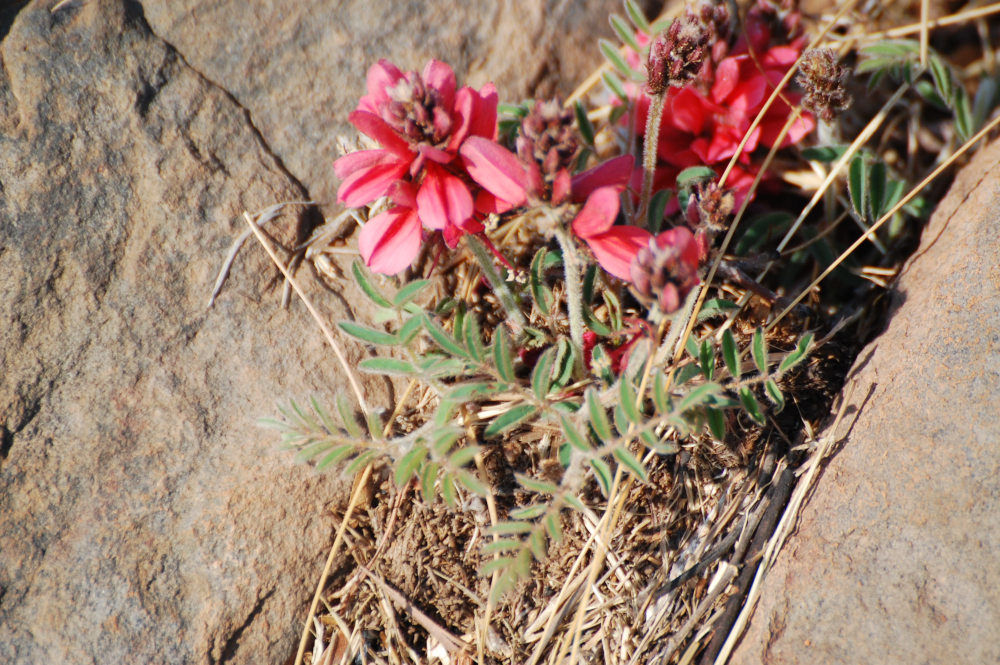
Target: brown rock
{"points": [[895, 557], [143, 515], [299, 67]]}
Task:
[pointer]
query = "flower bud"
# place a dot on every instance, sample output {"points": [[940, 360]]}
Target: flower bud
{"points": [[823, 77], [666, 269], [709, 207], [677, 54]]}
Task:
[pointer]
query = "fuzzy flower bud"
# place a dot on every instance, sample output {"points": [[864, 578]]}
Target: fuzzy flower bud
{"points": [[823, 77], [709, 207], [666, 269], [547, 138], [676, 55]]}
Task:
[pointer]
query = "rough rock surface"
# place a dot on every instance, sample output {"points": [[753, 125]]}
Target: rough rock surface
{"points": [[298, 67], [895, 557], [143, 515]]}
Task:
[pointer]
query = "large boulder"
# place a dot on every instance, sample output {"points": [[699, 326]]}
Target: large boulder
{"points": [[895, 556], [143, 515]]}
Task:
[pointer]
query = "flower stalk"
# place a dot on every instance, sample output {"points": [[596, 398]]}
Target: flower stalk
{"points": [[507, 299], [574, 290]]}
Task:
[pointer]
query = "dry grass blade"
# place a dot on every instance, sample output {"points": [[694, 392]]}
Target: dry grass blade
{"points": [[914, 28], [327, 332]]}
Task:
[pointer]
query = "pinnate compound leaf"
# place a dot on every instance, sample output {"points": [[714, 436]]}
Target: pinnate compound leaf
{"points": [[510, 419]]}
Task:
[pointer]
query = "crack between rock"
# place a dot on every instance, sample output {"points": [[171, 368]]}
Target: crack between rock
{"points": [[229, 649], [246, 112]]}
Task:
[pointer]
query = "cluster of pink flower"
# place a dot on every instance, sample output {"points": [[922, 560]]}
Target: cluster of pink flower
{"points": [[705, 121]]}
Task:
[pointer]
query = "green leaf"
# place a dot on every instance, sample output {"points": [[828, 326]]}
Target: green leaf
{"points": [[686, 373], [603, 473], [509, 529], [539, 290], [409, 292], [774, 394], [716, 423], [428, 476], [583, 123], [541, 376], [630, 462], [636, 16], [360, 462], [497, 565], [941, 74], [552, 527], [895, 48], [463, 456], [619, 419], [573, 435], [442, 440], [535, 485], [388, 366], [877, 184], [473, 484], [565, 358], [716, 307], [984, 101], [610, 52], [473, 337], [964, 123], [694, 174], [760, 228], [751, 404], [528, 512], [409, 464], [657, 206], [624, 32], [448, 491], [730, 354], [691, 344], [369, 289], [824, 153], [857, 184], [501, 355], [706, 356], [615, 86], [660, 397], [588, 283], [498, 546], [798, 354], [598, 417], [600, 364], [510, 419], [409, 330], [369, 335], [464, 392], [338, 454], [759, 350], [347, 417], [443, 339], [629, 401], [699, 395]]}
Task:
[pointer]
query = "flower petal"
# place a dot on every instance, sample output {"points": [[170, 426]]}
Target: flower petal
{"points": [[375, 127], [615, 249], [496, 169], [365, 185], [475, 115], [598, 213], [390, 241], [443, 200], [439, 76], [383, 74], [612, 173]]}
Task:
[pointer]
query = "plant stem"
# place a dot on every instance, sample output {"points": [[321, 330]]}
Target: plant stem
{"points": [[574, 290], [507, 299], [649, 153]]}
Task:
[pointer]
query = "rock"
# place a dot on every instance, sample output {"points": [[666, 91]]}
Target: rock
{"points": [[299, 67], [144, 517], [895, 556]]}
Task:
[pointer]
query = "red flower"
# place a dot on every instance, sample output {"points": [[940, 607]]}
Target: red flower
{"points": [[421, 121], [614, 247]]}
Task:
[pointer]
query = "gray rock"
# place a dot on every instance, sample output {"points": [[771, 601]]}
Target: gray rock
{"points": [[143, 515], [299, 67], [895, 556]]}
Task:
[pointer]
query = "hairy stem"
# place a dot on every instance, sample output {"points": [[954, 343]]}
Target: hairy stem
{"points": [[649, 153], [507, 299], [574, 290]]}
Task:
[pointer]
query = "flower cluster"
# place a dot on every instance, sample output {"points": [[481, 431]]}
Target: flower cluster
{"points": [[421, 121], [705, 120]]}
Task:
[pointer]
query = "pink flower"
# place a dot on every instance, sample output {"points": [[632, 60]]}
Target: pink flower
{"points": [[666, 268], [614, 247], [421, 121]]}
